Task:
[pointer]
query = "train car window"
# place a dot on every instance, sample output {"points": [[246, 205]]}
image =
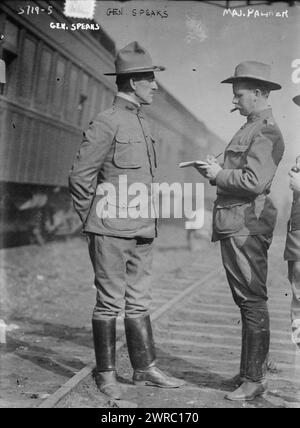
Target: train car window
{"points": [[72, 95], [58, 85], [11, 36], [10, 60], [100, 99], [100, 102], [91, 99], [10, 43], [83, 101], [44, 73], [26, 74], [84, 84]]}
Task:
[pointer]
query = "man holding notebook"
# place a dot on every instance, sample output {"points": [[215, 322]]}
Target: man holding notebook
{"points": [[244, 217]]}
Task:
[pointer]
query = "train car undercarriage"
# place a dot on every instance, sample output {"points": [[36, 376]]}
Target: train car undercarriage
{"points": [[35, 213]]}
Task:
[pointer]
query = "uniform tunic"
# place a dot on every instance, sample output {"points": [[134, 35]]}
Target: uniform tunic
{"points": [[118, 144], [243, 220], [292, 248], [292, 255], [244, 215], [243, 206]]}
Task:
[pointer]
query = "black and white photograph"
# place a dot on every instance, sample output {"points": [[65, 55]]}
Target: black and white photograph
{"points": [[149, 206]]}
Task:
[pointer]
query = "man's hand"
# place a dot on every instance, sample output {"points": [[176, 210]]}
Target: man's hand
{"points": [[210, 171], [207, 171], [200, 168], [295, 181]]}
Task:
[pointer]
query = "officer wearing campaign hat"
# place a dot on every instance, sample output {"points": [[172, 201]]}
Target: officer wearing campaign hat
{"points": [[244, 217], [292, 248], [133, 58], [254, 70], [119, 143]]}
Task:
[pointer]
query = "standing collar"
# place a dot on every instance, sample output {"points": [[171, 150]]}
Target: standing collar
{"points": [[263, 114], [127, 104], [127, 97]]}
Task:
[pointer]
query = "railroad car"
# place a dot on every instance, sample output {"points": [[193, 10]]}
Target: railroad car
{"points": [[55, 86]]}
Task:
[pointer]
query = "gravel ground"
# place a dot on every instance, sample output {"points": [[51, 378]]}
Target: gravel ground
{"points": [[54, 283], [47, 298]]}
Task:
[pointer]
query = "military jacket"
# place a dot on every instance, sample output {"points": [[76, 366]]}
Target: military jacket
{"points": [[243, 205], [117, 145], [294, 223]]}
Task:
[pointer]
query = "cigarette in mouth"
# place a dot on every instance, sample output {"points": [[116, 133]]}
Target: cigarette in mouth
{"points": [[233, 109]]}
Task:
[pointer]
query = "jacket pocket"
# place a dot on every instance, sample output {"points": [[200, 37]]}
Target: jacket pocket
{"points": [[128, 152], [236, 155], [123, 218], [238, 148], [230, 218]]}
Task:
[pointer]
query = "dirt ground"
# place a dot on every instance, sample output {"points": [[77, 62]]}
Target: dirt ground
{"points": [[47, 298], [198, 340]]}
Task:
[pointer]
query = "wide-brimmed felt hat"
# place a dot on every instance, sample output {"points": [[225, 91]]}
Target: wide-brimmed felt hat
{"points": [[296, 100], [253, 70], [133, 58]]}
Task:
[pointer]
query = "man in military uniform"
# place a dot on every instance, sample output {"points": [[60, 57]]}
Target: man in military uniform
{"points": [[119, 145], [244, 217], [292, 249]]}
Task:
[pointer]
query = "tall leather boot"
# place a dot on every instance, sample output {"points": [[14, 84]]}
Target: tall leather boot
{"points": [[104, 333], [142, 354], [257, 353], [240, 378]]}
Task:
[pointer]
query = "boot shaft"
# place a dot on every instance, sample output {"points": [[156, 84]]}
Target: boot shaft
{"points": [[255, 342], [257, 354], [104, 334], [140, 342]]}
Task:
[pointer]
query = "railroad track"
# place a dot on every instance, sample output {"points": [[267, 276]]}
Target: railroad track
{"points": [[49, 297], [160, 310], [197, 334], [196, 327]]}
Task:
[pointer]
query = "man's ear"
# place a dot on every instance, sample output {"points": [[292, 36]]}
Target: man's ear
{"points": [[132, 84], [258, 93]]}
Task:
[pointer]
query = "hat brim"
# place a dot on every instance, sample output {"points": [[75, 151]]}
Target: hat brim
{"points": [[296, 100], [154, 68], [271, 85]]}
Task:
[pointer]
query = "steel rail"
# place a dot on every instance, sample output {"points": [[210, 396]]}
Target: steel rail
{"points": [[86, 371]]}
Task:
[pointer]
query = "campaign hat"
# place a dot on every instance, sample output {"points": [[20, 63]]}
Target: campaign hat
{"points": [[133, 58], [253, 70]]}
